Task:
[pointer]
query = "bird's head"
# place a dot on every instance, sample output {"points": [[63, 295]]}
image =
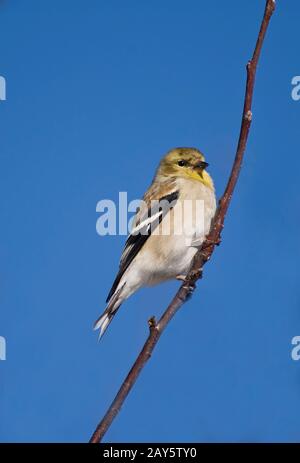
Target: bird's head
{"points": [[188, 163]]}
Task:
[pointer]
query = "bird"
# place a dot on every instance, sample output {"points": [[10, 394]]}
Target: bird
{"points": [[164, 239]]}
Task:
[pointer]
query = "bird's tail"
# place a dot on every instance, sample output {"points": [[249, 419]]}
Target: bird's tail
{"points": [[111, 309]]}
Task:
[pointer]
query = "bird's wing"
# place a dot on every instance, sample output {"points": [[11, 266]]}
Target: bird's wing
{"points": [[146, 221]]}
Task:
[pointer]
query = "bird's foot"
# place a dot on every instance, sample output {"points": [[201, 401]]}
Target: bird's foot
{"points": [[181, 277], [187, 284], [207, 243], [190, 287]]}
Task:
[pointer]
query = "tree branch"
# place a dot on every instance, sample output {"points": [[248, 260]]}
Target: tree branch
{"points": [[204, 254]]}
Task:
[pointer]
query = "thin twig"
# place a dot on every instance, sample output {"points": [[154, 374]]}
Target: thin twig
{"points": [[204, 254]]}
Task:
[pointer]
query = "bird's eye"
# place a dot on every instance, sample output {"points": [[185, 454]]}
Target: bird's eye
{"points": [[181, 163]]}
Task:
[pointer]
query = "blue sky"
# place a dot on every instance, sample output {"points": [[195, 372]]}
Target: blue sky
{"points": [[97, 92]]}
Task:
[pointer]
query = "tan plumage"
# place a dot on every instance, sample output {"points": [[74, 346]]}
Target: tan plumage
{"points": [[150, 256]]}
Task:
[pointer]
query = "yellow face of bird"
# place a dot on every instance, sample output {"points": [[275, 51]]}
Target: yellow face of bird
{"points": [[188, 163]]}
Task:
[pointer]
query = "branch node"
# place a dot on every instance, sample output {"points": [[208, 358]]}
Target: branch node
{"points": [[152, 323], [248, 116], [271, 6]]}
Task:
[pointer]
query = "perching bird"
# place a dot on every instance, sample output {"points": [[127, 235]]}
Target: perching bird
{"points": [[163, 241]]}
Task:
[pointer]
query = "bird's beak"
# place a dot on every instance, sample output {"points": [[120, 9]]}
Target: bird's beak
{"points": [[200, 166]]}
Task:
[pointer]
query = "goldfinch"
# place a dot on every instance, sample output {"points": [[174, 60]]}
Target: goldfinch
{"points": [[164, 240]]}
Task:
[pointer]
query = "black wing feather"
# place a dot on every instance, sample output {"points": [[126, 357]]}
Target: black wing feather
{"points": [[135, 242]]}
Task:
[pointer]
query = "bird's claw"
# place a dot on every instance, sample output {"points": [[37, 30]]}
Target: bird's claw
{"points": [[190, 287], [207, 243]]}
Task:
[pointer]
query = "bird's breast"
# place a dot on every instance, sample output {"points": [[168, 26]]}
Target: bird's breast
{"points": [[194, 211]]}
